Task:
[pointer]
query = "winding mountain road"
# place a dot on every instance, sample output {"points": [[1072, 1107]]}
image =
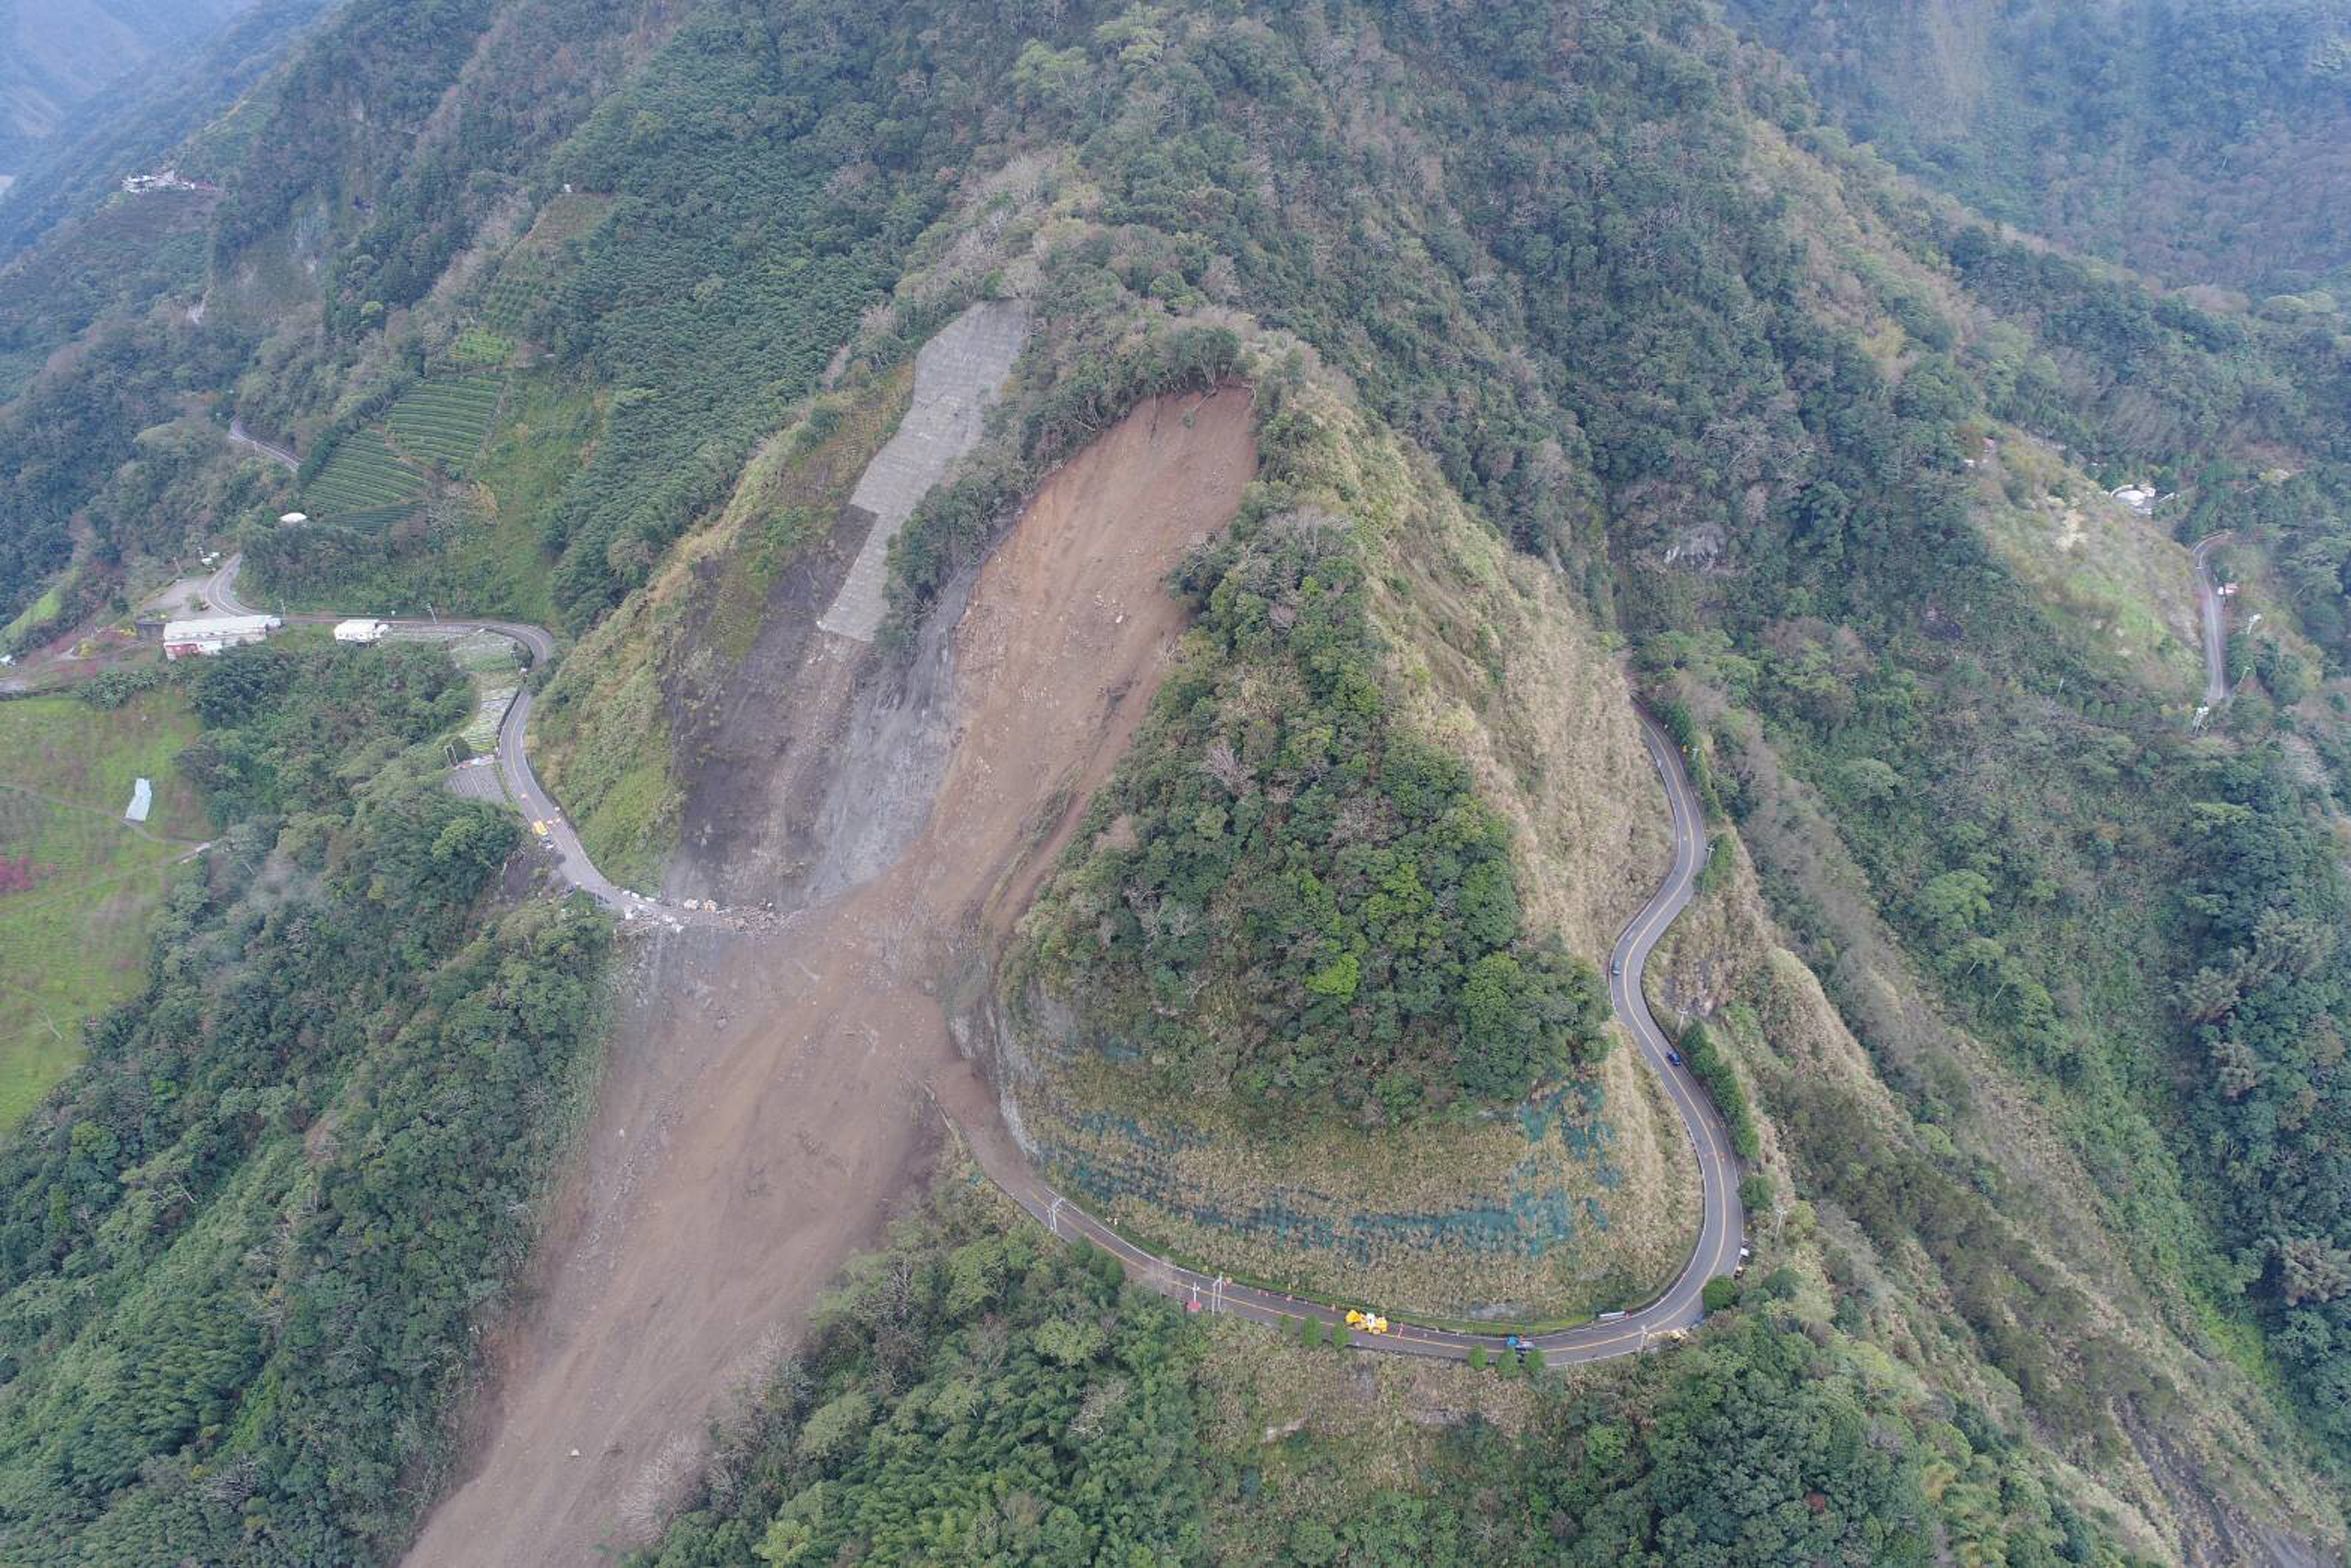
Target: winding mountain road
{"points": [[238, 434], [2216, 624], [522, 785], [1721, 1226]]}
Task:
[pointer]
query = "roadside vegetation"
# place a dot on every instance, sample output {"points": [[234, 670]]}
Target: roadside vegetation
{"points": [[303, 1153], [980, 1392]]}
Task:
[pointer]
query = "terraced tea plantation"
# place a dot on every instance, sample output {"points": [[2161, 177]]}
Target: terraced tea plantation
{"points": [[363, 483], [506, 306], [444, 421], [529, 270], [480, 346]]}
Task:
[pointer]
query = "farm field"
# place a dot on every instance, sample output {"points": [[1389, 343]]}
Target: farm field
{"points": [[480, 346], [527, 271], [490, 660], [363, 482], [506, 306], [442, 421], [80, 886]]}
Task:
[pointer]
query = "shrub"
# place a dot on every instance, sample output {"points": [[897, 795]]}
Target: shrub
{"points": [[1335, 874], [1711, 1067]]}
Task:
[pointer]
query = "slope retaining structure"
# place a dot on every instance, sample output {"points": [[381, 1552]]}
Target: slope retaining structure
{"points": [[957, 376]]}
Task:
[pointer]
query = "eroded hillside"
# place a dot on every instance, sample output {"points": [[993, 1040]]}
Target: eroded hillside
{"points": [[1577, 361], [732, 1157]]}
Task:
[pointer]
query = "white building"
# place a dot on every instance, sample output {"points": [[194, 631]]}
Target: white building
{"points": [[360, 630], [209, 634]]}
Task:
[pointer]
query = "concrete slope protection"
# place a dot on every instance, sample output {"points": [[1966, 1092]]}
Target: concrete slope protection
{"points": [[2215, 615], [957, 376], [1722, 1225]]}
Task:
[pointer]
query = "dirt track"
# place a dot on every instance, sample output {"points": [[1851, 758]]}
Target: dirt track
{"points": [[771, 1100]]}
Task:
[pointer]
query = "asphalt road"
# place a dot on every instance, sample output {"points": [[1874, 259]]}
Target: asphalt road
{"points": [[237, 433], [1722, 1226], [522, 786], [2215, 613]]}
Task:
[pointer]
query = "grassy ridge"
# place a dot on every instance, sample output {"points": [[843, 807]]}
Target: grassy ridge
{"points": [[74, 942]]}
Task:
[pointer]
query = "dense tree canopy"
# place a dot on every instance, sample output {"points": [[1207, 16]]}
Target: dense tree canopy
{"points": [[978, 1395], [245, 1247], [1290, 898]]}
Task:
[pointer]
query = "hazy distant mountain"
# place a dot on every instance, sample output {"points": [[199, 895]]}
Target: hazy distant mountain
{"points": [[56, 53], [2206, 141]]}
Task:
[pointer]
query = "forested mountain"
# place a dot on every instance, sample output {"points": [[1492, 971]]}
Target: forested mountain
{"points": [[2201, 140], [142, 124], [62, 53], [1586, 354]]}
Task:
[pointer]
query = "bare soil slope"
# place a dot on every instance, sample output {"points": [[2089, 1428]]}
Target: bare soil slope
{"points": [[757, 1120]]}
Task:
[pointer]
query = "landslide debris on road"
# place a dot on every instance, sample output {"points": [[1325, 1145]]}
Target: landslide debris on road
{"points": [[767, 1100]]}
